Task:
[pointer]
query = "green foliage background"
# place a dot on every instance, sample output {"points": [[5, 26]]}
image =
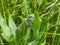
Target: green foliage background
{"points": [[43, 27]]}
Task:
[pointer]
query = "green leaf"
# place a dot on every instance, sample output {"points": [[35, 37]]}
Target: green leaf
{"points": [[12, 25], [36, 22], [7, 38], [4, 26]]}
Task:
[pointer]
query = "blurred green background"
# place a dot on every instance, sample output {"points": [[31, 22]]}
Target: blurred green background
{"points": [[29, 22]]}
